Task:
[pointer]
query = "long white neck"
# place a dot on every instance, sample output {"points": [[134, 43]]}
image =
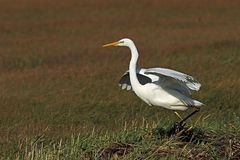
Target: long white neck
{"points": [[132, 66]]}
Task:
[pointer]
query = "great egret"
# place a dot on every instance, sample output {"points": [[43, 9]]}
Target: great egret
{"points": [[158, 86]]}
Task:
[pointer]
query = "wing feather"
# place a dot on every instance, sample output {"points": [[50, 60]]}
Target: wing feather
{"points": [[167, 78], [189, 81], [125, 83]]}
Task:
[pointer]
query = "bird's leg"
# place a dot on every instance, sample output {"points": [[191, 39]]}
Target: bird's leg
{"points": [[178, 115], [178, 127], [184, 119]]}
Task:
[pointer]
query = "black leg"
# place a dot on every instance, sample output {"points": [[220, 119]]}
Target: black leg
{"points": [[184, 119], [178, 127]]}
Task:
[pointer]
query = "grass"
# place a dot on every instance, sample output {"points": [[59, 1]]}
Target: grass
{"points": [[57, 82], [131, 143]]}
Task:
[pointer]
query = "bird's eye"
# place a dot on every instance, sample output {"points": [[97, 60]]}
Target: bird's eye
{"points": [[121, 41]]}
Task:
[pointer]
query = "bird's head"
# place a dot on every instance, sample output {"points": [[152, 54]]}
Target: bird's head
{"points": [[123, 42]]}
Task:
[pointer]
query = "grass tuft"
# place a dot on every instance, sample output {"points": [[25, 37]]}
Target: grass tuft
{"points": [[152, 143]]}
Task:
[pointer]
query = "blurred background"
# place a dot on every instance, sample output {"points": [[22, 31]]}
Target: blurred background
{"points": [[57, 80]]}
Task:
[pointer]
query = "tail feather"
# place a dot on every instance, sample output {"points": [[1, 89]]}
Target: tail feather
{"points": [[197, 103]]}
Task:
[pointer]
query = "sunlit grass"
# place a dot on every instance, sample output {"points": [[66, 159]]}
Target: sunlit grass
{"points": [[128, 143], [56, 81]]}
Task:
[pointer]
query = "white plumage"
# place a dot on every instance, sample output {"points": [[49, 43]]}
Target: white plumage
{"points": [[158, 86]]}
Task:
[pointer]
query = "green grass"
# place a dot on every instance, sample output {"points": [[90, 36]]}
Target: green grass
{"points": [[129, 143], [57, 81]]}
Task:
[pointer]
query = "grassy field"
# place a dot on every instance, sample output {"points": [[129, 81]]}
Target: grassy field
{"points": [[58, 84]]}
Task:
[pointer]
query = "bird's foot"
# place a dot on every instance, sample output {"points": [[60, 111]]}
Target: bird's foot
{"points": [[176, 129]]}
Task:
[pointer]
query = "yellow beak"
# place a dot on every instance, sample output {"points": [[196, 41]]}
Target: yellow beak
{"points": [[111, 44]]}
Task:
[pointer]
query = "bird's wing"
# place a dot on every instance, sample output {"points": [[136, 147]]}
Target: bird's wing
{"points": [[143, 78], [177, 77]]}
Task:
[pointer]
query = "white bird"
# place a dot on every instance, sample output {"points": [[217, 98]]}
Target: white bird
{"points": [[158, 86]]}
